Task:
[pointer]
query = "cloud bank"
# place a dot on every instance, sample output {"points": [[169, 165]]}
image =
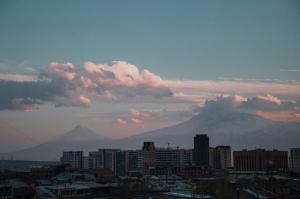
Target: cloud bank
{"points": [[64, 84], [266, 106]]}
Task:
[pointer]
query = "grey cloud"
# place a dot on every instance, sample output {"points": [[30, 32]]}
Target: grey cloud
{"points": [[267, 103], [65, 85], [18, 95]]}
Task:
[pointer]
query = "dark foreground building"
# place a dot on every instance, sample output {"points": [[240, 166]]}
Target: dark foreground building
{"points": [[16, 189], [201, 150], [260, 160]]}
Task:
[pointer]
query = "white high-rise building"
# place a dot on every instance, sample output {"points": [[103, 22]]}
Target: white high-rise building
{"points": [[103, 158], [223, 154], [220, 157]]}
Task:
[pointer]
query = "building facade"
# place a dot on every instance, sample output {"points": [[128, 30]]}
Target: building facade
{"points": [[95, 160], [295, 160], [220, 157], [134, 160], [168, 157], [223, 157], [103, 159], [212, 157], [121, 163], [73, 158], [260, 160], [148, 156], [184, 157]]}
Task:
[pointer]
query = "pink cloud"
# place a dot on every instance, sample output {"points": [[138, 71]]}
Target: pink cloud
{"points": [[139, 113], [135, 121], [64, 71], [254, 87], [17, 78], [136, 116], [284, 115], [270, 98], [75, 99], [108, 96], [132, 121], [120, 121], [121, 73], [86, 82], [120, 81], [266, 106]]}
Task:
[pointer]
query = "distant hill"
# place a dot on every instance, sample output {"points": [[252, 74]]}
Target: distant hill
{"points": [[79, 138], [237, 129]]}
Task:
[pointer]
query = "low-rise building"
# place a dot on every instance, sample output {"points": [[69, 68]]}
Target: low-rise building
{"points": [[16, 188]]}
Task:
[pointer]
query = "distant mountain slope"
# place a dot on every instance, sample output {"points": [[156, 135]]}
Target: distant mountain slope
{"points": [[79, 138], [237, 129]]}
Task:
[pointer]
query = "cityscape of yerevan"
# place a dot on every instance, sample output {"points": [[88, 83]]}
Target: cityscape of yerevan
{"points": [[161, 99]]}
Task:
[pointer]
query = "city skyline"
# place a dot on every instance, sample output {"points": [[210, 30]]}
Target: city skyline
{"points": [[122, 69]]}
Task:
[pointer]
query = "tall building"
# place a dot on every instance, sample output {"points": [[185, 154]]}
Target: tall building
{"points": [[184, 157], [223, 157], [148, 156], [134, 160], [201, 150], [260, 160], [295, 159], [109, 158], [220, 157], [212, 157], [86, 162], [95, 160], [121, 163], [103, 159], [74, 158]]}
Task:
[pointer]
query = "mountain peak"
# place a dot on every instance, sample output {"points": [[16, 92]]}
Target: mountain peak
{"points": [[80, 133], [80, 127]]}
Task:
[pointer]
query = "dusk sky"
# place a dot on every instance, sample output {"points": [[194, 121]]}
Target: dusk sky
{"points": [[127, 67]]}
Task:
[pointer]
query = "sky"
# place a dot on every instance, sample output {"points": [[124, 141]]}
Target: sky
{"points": [[126, 67]]}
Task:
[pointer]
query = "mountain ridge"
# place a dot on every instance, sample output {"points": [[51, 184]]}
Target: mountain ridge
{"points": [[237, 129]]}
